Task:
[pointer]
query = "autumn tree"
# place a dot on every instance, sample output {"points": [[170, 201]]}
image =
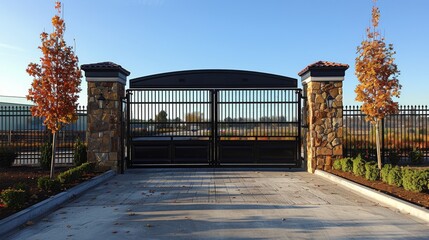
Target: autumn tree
{"points": [[378, 78], [56, 81], [194, 117]]}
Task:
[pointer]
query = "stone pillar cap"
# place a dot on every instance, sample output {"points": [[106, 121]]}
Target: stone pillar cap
{"points": [[103, 67], [325, 66]]}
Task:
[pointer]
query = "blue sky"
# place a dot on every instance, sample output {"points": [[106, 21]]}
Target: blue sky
{"points": [[279, 37]]}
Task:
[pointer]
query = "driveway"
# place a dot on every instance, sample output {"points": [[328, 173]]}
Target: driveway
{"points": [[222, 204]]}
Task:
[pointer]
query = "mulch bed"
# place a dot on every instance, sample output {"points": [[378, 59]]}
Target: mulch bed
{"points": [[420, 199], [9, 177]]}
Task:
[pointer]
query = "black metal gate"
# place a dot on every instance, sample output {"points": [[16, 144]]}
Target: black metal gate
{"points": [[214, 127]]}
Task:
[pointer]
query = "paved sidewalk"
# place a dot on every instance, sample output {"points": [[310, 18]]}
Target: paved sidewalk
{"points": [[222, 204]]}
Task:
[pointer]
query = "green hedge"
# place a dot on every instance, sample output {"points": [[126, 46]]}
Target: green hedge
{"points": [[76, 173], [372, 172], [410, 179], [415, 180], [80, 153], [46, 156], [49, 185], [337, 164], [359, 166], [346, 165], [385, 172], [14, 198], [394, 176]]}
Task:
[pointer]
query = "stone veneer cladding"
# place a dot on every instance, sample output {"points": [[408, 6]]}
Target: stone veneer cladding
{"points": [[104, 124], [324, 136]]}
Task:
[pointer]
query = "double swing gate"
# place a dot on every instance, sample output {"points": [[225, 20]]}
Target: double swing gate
{"points": [[213, 127]]}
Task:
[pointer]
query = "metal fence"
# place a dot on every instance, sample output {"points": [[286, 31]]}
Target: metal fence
{"points": [[400, 133], [19, 129]]}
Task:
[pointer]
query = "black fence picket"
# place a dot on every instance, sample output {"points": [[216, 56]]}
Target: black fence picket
{"points": [[20, 130], [400, 133]]}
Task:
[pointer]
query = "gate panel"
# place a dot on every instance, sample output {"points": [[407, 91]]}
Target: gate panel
{"points": [[214, 127], [170, 126], [258, 127]]}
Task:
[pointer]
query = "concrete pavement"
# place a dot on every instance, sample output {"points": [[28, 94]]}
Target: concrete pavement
{"points": [[222, 204]]}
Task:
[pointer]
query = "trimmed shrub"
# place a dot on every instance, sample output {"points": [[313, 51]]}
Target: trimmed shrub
{"points": [[49, 185], [416, 157], [14, 198], [385, 172], [88, 167], [75, 173], [23, 186], [394, 157], [372, 172], [358, 166], [394, 177], [80, 153], [7, 156], [415, 180], [69, 176], [346, 164], [337, 164], [46, 156]]}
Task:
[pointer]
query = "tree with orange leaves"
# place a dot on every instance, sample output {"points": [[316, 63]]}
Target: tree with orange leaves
{"points": [[56, 81], [378, 78]]}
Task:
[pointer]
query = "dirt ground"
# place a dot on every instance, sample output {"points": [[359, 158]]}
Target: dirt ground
{"points": [[421, 199], [9, 177]]}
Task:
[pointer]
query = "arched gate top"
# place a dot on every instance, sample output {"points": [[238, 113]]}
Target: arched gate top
{"points": [[214, 78]]}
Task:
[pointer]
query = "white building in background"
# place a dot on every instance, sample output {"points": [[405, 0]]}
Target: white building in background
{"points": [[14, 101], [15, 114]]}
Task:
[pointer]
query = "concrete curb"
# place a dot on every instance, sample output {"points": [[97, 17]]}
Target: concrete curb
{"points": [[48, 205], [401, 205]]}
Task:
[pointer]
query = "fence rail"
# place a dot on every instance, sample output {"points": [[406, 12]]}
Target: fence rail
{"points": [[19, 129], [402, 132]]}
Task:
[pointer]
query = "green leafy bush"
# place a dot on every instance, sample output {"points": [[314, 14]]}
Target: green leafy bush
{"points": [[415, 180], [7, 156], [49, 185], [359, 166], [394, 177], [75, 173], [80, 153], [14, 198], [416, 157], [385, 172], [88, 167], [24, 187], [372, 172], [394, 157], [337, 164], [46, 156], [70, 175], [346, 165]]}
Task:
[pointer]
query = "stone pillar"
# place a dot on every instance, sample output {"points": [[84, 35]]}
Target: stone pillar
{"points": [[324, 137], [104, 141]]}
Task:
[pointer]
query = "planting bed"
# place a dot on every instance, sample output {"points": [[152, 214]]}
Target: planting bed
{"points": [[9, 177], [420, 199]]}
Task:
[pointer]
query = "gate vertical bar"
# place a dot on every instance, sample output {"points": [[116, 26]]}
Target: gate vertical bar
{"points": [[214, 122], [128, 96], [299, 140]]}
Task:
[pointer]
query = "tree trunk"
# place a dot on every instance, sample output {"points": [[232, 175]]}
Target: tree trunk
{"points": [[377, 141], [54, 141]]}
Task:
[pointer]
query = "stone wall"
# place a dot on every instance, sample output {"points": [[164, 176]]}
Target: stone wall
{"points": [[324, 133], [324, 136], [104, 124], [104, 134]]}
